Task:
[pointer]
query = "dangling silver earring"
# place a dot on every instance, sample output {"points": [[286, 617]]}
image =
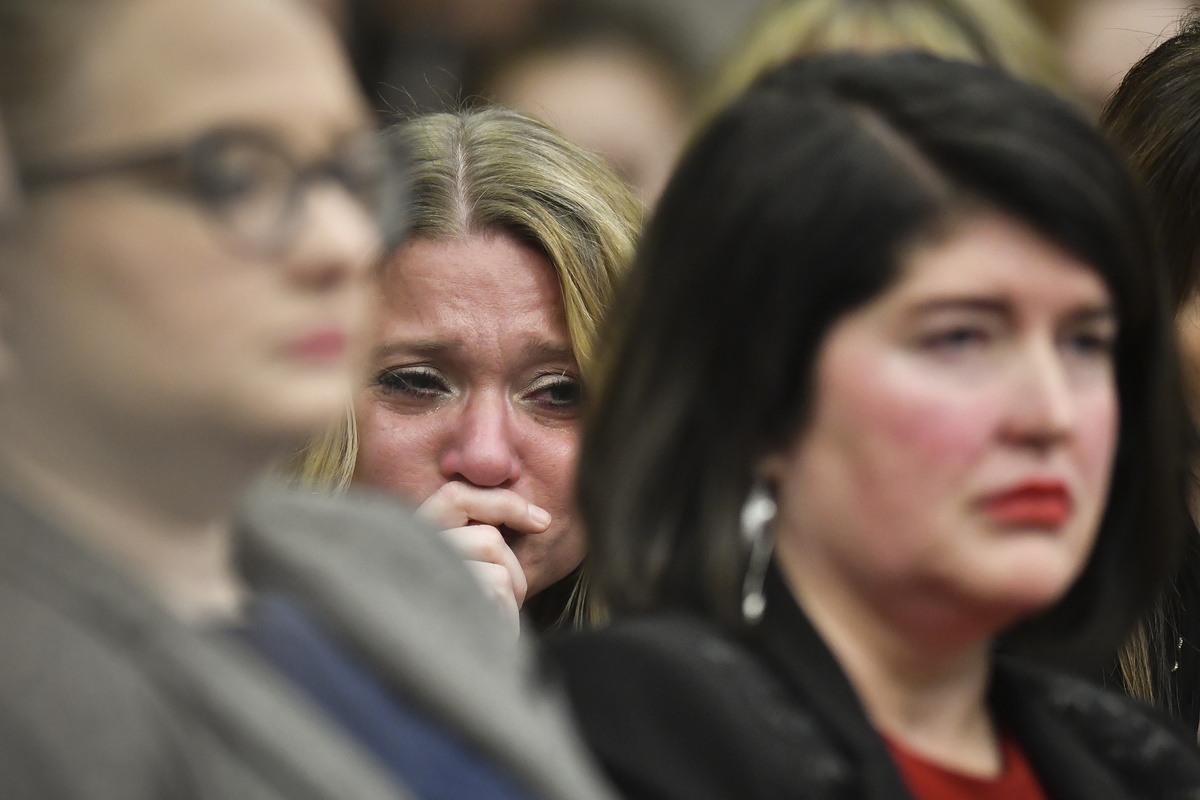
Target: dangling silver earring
{"points": [[758, 512]]}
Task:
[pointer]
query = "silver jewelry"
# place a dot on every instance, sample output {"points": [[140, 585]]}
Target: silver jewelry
{"points": [[758, 512]]}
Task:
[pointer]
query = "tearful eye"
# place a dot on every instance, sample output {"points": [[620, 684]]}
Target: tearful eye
{"points": [[558, 392], [421, 383]]}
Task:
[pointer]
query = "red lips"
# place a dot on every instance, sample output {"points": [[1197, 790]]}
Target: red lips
{"points": [[1033, 504]]}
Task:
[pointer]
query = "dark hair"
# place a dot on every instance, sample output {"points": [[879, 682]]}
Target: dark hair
{"points": [[1154, 117], [792, 209]]}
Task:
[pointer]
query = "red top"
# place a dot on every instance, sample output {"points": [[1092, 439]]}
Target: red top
{"points": [[929, 781]]}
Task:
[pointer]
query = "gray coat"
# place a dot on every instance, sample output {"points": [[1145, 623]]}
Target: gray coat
{"points": [[106, 696]]}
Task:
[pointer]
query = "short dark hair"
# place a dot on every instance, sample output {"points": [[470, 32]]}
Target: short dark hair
{"points": [[1154, 117], [793, 208]]}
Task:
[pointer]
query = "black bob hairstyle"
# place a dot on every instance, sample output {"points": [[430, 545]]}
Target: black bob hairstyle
{"points": [[793, 208]]}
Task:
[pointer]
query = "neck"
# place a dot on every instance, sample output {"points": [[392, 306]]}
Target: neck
{"points": [[929, 693], [162, 510]]}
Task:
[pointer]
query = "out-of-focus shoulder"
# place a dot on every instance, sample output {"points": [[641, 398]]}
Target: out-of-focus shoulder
{"points": [[676, 708], [1133, 740]]}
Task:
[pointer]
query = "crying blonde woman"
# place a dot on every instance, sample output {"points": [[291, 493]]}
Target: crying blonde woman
{"points": [[483, 351]]}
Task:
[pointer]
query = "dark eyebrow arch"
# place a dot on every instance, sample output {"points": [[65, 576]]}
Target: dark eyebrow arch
{"points": [[1085, 313], [1001, 307], [1104, 313]]}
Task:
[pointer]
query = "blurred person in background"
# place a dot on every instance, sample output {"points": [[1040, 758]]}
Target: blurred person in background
{"points": [[9, 193], [864, 449], [612, 79], [410, 55], [997, 32], [1154, 117], [484, 351], [186, 299], [1101, 39]]}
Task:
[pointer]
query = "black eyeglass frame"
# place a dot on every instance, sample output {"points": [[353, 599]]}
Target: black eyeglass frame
{"points": [[195, 161]]}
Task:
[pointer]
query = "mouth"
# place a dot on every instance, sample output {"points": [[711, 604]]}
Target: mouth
{"points": [[320, 346], [1040, 504]]}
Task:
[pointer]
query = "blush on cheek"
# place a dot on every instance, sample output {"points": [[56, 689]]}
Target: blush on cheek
{"points": [[924, 426], [1096, 435]]}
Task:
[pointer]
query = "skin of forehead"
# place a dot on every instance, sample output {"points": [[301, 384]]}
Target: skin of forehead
{"points": [[157, 70]]}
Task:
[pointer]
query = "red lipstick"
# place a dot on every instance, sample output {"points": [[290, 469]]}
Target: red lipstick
{"points": [[1032, 504]]}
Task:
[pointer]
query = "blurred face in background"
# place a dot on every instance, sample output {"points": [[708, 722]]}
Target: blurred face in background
{"points": [[172, 275], [607, 98], [1101, 40], [475, 383], [480, 23]]}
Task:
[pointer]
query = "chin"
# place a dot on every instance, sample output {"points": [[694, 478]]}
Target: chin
{"points": [[1004, 591], [288, 425], [1032, 592]]}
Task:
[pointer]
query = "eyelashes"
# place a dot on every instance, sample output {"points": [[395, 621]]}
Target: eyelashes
{"points": [[960, 339], [560, 391], [554, 393], [417, 382]]}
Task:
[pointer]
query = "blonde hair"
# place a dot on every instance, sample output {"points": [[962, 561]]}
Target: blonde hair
{"points": [[492, 170], [997, 32]]}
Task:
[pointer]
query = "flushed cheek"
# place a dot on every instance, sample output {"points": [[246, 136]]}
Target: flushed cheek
{"points": [[922, 437], [1095, 447], [906, 453]]}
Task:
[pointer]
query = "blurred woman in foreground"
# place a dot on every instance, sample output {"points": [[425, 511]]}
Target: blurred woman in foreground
{"points": [[484, 350], [896, 321], [185, 300]]}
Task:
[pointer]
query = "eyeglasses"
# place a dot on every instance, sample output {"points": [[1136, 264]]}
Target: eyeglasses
{"points": [[250, 184]]}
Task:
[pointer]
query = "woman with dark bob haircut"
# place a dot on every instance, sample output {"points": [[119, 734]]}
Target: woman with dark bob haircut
{"points": [[889, 421]]}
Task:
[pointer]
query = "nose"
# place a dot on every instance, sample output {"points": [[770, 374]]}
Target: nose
{"points": [[482, 449], [1042, 405], [338, 239]]}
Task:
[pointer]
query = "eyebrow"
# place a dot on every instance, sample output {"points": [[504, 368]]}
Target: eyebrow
{"points": [[1084, 313], [417, 347], [548, 351], [535, 351]]}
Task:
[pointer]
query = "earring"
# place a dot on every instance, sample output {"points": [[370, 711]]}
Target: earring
{"points": [[758, 512]]}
